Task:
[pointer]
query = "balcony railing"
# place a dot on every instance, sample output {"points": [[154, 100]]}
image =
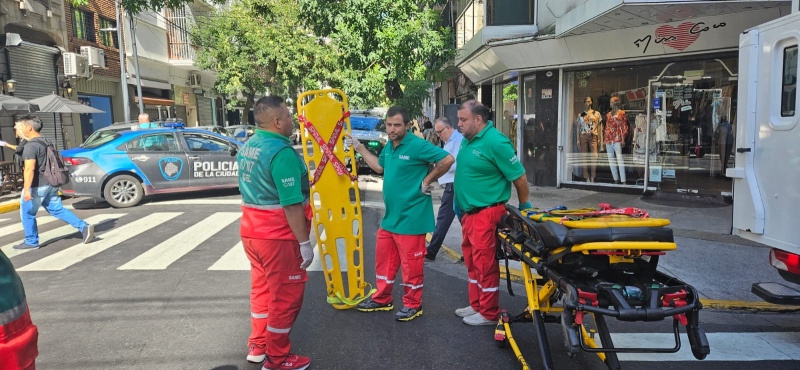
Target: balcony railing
{"points": [[178, 24]]}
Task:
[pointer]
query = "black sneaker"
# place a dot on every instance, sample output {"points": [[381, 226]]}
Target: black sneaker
{"points": [[430, 257], [87, 233], [25, 246], [408, 314], [371, 306]]}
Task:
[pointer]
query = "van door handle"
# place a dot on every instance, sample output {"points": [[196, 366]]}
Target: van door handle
{"points": [[194, 157], [743, 150]]}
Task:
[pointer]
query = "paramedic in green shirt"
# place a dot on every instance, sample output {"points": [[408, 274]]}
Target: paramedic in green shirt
{"points": [[487, 166], [409, 212]]}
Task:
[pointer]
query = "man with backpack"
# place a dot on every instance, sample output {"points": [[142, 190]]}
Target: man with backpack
{"points": [[43, 173]]}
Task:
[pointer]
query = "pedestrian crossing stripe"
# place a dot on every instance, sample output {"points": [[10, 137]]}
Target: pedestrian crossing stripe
{"points": [[164, 254], [56, 234], [4, 219], [764, 346], [233, 260], [79, 252], [17, 227]]}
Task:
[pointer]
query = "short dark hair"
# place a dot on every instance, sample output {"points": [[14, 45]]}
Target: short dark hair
{"points": [[32, 120], [395, 110], [476, 108], [264, 104]]}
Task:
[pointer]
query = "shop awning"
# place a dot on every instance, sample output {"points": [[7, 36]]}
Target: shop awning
{"points": [[155, 101], [654, 41], [598, 16]]}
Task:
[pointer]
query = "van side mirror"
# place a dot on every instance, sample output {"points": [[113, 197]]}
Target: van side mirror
{"points": [[233, 149]]}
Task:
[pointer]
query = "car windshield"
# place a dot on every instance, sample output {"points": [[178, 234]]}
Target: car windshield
{"points": [[367, 123], [99, 138]]}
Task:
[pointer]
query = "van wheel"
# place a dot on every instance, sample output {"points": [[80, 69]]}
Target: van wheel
{"points": [[123, 191]]}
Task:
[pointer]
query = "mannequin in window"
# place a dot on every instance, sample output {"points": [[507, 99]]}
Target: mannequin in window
{"points": [[724, 138], [588, 123], [614, 137]]}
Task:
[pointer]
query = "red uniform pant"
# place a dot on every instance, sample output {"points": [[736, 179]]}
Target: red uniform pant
{"points": [[479, 233], [276, 293], [391, 252]]}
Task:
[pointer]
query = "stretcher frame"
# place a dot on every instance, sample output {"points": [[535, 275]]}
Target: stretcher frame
{"points": [[553, 297], [336, 200]]}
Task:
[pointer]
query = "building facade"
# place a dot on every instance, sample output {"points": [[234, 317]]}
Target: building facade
{"points": [[672, 65], [33, 37]]}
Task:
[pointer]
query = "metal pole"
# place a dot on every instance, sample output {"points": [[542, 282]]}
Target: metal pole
{"points": [[123, 79], [136, 63]]}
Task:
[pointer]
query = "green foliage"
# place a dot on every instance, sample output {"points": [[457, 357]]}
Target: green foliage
{"points": [[510, 93], [388, 51], [257, 46], [136, 6]]}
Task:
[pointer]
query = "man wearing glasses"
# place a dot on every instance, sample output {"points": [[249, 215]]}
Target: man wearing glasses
{"points": [[452, 141]]}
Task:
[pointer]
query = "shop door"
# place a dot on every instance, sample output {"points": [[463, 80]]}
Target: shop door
{"points": [[32, 66], [92, 122], [204, 112]]}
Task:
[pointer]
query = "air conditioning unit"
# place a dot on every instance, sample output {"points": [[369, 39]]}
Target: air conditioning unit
{"points": [[95, 57], [194, 80], [75, 65]]}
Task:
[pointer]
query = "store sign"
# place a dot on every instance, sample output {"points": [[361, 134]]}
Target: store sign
{"points": [[547, 93], [678, 38]]}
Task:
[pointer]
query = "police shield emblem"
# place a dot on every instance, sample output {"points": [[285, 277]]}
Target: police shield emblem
{"points": [[170, 167]]}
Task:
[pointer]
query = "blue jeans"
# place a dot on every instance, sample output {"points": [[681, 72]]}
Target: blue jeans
{"points": [[46, 196], [443, 220]]}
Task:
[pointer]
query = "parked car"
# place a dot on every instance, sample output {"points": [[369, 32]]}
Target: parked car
{"points": [[241, 133], [215, 129], [124, 166], [370, 130]]}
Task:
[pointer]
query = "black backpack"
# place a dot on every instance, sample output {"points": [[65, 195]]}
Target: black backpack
{"points": [[54, 170]]}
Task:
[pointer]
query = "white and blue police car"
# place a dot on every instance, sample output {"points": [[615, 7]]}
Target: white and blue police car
{"points": [[124, 165]]}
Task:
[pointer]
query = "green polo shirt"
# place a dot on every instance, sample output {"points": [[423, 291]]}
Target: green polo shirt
{"points": [[408, 210], [487, 165]]}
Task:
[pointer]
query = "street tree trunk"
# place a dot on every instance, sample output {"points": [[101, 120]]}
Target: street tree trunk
{"points": [[248, 104], [393, 90]]}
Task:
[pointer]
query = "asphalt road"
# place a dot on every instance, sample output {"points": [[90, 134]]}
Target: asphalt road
{"points": [[113, 304]]}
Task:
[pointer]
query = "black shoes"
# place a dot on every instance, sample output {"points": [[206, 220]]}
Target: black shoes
{"points": [[371, 306], [408, 314], [430, 257]]}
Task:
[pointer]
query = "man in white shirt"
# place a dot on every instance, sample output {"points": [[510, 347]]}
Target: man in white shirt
{"points": [[452, 142]]}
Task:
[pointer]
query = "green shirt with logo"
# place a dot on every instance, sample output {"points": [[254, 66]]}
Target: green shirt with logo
{"points": [[487, 165], [268, 152], [408, 210]]}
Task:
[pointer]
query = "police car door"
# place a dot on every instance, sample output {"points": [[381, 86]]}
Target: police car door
{"points": [[211, 159], [160, 159]]}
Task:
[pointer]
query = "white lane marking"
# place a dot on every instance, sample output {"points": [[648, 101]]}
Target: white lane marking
{"points": [[200, 202], [4, 219], [196, 202], [79, 252], [53, 235], [17, 227], [172, 249], [233, 260], [724, 346]]}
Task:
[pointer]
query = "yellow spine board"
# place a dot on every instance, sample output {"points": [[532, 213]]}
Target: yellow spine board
{"points": [[337, 221]]}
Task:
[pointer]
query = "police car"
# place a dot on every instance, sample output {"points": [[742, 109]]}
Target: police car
{"points": [[124, 166], [369, 128]]}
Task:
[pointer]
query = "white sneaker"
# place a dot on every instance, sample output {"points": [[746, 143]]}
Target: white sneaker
{"points": [[478, 320], [466, 311]]}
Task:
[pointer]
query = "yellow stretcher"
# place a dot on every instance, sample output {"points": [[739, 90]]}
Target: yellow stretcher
{"points": [[324, 119]]}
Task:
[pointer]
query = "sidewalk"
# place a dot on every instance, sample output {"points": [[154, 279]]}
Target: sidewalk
{"points": [[9, 202], [721, 266]]}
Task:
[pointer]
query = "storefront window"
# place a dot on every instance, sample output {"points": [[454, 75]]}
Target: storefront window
{"points": [[683, 145], [505, 116]]}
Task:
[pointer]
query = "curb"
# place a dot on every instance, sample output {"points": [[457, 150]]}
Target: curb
{"points": [[712, 304], [9, 206]]}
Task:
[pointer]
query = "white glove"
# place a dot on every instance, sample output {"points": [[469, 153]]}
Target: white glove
{"points": [[307, 252], [426, 189], [2, 143], [351, 141]]}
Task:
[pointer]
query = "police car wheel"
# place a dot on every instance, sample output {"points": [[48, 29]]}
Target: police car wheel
{"points": [[123, 191]]}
